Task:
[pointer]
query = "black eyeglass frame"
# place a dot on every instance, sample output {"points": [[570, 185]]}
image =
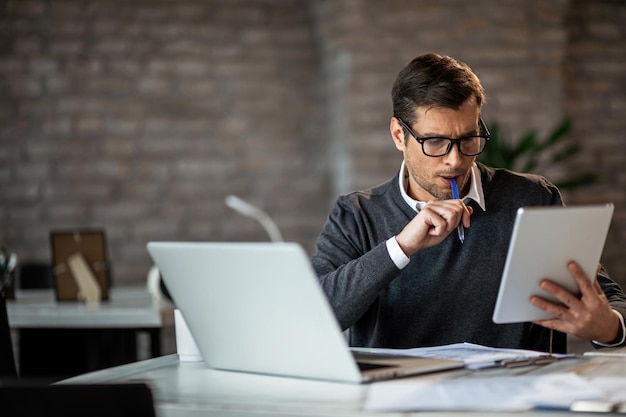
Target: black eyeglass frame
{"points": [[481, 125]]}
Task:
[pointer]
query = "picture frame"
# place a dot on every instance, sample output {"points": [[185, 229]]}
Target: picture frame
{"points": [[90, 246]]}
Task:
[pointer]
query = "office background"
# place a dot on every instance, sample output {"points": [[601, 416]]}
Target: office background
{"points": [[140, 117]]}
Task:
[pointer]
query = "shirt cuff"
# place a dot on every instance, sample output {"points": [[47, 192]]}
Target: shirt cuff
{"points": [[621, 320], [398, 256]]}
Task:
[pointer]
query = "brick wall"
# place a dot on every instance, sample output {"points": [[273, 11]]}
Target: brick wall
{"points": [[595, 98], [140, 117]]}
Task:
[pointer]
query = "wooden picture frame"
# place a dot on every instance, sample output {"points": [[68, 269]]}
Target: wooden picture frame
{"points": [[90, 246]]}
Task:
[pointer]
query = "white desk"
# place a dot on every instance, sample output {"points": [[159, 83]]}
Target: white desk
{"points": [[191, 389], [78, 337], [126, 308]]}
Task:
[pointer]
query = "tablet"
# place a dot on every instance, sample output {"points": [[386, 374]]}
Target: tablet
{"points": [[543, 241]]}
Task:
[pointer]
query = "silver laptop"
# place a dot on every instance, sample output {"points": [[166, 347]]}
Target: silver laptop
{"points": [[258, 307]]}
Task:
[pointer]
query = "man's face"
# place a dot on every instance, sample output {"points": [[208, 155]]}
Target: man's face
{"points": [[430, 177]]}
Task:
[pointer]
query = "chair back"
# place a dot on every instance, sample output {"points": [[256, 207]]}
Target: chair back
{"points": [[35, 275], [8, 370]]}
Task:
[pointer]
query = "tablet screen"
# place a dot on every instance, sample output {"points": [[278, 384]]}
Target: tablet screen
{"points": [[543, 241]]}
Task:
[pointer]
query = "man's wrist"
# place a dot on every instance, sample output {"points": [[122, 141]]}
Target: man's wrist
{"points": [[621, 334], [396, 253]]}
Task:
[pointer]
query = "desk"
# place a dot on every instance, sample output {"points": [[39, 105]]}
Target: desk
{"points": [[128, 307], [49, 332], [184, 389]]}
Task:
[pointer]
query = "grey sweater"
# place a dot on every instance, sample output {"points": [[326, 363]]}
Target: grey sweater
{"points": [[447, 292]]}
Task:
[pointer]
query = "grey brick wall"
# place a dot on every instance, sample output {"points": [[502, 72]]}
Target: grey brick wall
{"points": [[140, 117]]}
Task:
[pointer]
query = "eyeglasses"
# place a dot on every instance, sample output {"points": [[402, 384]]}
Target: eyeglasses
{"points": [[439, 146]]}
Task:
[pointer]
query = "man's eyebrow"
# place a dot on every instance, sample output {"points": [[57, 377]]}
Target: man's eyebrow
{"points": [[471, 132]]}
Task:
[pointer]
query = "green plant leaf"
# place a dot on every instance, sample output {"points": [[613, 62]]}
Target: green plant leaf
{"points": [[566, 153], [528, 154], [560, 132]]}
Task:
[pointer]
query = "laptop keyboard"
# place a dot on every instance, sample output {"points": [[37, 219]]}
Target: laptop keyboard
{"points": [[364, 366]]}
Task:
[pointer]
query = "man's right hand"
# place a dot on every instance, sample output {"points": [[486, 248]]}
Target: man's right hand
{"points": [[435, 221]]}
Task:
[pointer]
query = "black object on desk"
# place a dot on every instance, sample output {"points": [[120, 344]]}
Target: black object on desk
{"points": [[7, 274], [33, 274], [77, 400]]}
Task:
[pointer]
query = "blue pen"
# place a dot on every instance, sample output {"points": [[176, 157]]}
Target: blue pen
{"points": [[455, 195]]}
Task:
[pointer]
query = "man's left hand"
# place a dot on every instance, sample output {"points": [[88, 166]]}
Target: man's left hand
{"points": [[588, 317]]}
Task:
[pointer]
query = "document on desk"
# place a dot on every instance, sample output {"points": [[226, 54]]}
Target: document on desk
{"points": [[484, 393], [615, 353], [475, 356]]}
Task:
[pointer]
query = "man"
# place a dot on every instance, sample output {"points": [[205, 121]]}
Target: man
{"points": [[390, 259]]}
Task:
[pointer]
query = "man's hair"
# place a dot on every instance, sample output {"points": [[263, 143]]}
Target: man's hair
{"points": [[434, 81]]}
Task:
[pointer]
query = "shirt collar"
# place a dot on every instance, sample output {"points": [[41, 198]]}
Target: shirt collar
{"points": [[475, 192]]}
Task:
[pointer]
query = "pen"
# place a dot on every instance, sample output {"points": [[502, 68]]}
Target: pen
{"points": [[455, 195]]}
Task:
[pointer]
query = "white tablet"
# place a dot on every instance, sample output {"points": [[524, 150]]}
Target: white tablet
{"points": [[543, 241]]}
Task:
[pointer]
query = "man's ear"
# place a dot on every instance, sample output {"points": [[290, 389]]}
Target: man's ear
{"points": [[397, 133]]}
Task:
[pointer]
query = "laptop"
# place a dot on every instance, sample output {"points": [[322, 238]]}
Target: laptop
{"points": [[259, 308], [544, 240]]}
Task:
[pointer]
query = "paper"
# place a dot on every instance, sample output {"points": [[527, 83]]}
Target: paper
{"points": [[494, 393], [560, 391], [621, 353], [474, 356], [614, 387]]}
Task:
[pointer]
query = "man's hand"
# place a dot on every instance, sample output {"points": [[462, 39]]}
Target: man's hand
{"points": [[589, 317], [432, 224]]}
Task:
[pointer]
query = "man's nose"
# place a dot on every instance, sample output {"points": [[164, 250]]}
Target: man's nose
{"points": [[454, 157]]}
